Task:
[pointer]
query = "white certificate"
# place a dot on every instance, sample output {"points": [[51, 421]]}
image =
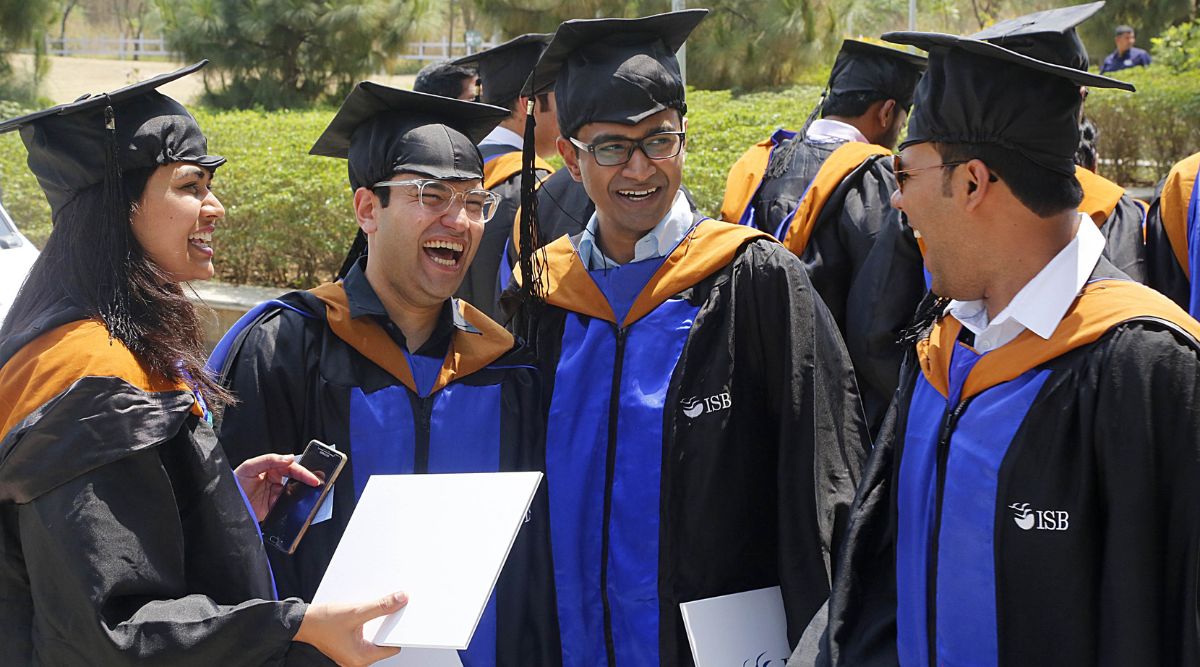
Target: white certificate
{"points": [[442, 539], [739, 630]]}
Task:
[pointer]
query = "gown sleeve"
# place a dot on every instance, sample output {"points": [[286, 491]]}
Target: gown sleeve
{"points": [[886, 281], [1163, 272], [109, 571], [1148, 449], [810, 393]]}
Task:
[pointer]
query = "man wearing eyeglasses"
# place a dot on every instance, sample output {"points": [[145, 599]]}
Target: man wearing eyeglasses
{"points": [[704, 432], [387, 366]]}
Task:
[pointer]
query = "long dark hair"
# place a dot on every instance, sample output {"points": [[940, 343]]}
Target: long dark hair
{"points": [[97, 265]]}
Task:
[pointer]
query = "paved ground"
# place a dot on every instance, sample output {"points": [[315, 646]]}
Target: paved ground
{"points": [[69, 78]]}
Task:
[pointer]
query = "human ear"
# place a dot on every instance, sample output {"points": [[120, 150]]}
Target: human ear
{"points": [[570, 156], [365, 203], [887, 114]]}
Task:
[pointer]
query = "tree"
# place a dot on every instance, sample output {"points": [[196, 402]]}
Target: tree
{"points": [[743, 44], [23, 23], [286, 53]]}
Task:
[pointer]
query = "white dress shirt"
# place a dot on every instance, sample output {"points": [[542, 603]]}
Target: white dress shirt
{"points": [[1041, 304], [656, 243], [827, 131], [502, 136]]}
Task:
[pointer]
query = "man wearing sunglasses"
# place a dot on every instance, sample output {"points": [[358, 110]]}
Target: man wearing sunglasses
{"points": [[386, 365], [1032, 499], [704, 432], [823, 192]]}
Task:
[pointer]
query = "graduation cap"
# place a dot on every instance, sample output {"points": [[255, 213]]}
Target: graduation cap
{"points": [[381, 131], [504, 69], [862, 67], [975, 91], [615, 70], [1048, 36], [82, 144]]}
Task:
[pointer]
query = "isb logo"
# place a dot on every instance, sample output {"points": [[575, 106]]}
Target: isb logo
{"points": [[761, 660], [696, 406], [1031, 519]]}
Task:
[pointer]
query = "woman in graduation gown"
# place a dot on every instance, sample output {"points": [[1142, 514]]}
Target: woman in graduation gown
{"points": [[124, 535]]}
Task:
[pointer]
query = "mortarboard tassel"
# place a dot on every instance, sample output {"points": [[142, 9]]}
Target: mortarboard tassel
{"points": [[115, 307], [357, 249], [529, 295], [781, 158]]}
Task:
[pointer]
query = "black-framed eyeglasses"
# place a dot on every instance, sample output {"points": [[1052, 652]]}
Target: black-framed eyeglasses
{"points": [[437, 197], [902, 175], [613, 152]]}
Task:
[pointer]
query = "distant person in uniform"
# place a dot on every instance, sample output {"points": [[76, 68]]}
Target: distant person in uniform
{"points": [[1127, 55], [448, 80]]}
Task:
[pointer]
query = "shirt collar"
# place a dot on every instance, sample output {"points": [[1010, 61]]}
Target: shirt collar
{"points": [[658, 242], [1040, 305], [503, 136], [826, 130], [364, 301]]}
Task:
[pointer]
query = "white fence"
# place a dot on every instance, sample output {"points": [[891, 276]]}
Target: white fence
{"points": [[107, 47], [128, 48], [443, 50]]}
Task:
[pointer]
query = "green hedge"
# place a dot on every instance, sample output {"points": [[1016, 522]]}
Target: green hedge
{"points": [[1142, 134], [289, 218]]}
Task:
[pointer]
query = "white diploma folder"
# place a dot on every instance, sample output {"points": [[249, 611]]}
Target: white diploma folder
{"points": [[442, 539], [743, 629]]}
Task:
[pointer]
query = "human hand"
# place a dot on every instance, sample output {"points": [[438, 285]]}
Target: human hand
{"points": [[337, 630], [262, 479]]}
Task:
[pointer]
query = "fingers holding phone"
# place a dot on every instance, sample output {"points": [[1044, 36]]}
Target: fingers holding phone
{"points": [[297, 502], [262, 478]]}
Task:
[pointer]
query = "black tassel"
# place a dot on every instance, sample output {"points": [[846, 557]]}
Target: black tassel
{"points": [[928, 312], [357, 249], [115, 306], [530, 295], [781, 157]]}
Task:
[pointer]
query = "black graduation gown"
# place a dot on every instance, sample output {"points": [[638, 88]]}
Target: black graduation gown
{"points": [[124, 537], [1173, 215], [298, 378], [862, 259], [707, 445], [1063, 510]]}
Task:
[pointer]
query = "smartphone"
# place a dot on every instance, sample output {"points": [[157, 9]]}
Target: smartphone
{"points": [[291, 515]]}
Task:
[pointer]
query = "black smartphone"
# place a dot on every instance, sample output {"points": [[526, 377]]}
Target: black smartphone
{"points": [[291, 515]]}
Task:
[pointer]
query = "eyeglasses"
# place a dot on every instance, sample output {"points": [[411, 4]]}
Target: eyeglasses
{"points": [[902, 175], [437, 197], [657, 146]]}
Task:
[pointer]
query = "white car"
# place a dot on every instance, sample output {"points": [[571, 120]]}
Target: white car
{"points": [[16, 256]]}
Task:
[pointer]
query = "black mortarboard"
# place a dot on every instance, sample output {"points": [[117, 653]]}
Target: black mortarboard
{"points": [[1048, 35], [69, 144], [615, 70], [503, 69], [381, 130], [977, 92], [862, 67]]}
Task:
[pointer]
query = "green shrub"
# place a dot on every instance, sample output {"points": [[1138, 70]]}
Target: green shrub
{"points": [[1142, 134], [722, 126], [1178, 47]]}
